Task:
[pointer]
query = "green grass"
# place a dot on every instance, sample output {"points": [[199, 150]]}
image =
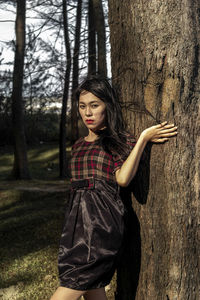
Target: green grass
{"points": [[31, 220], [30, 227], [43, 161]]}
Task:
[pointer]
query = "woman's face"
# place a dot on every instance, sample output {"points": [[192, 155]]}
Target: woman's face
{"points": [[92, 111]]}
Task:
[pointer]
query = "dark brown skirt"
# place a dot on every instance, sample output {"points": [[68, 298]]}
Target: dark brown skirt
{"points": [[92, 235]]}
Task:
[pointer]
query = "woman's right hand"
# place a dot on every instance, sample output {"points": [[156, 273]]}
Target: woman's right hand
{"points": [[159, 133]]}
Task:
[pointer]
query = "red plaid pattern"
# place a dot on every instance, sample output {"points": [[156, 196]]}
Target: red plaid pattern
{"points": [[90, 160]]}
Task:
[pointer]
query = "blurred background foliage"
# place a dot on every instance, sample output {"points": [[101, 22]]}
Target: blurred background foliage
{"points": [[64, 41]]}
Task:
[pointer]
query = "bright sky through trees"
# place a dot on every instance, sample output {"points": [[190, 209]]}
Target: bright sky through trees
{"points": [[6, 33]]}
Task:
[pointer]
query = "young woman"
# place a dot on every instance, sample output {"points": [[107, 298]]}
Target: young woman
{"points": [[108, 157]]}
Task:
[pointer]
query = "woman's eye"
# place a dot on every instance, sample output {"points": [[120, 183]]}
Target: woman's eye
{"points": [[81, 106], [95, 105]]}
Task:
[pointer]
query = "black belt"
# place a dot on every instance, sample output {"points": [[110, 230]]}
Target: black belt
{"points": [[87, 183]]}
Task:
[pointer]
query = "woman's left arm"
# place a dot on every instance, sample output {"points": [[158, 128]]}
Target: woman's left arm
{"points": [[156, 134]]}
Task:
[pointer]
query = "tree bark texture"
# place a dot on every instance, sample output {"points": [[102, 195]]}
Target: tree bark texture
{"points": [[101, 36], [75, 73], [20, 168], [63, 120], [92, 60], [155, 66]]}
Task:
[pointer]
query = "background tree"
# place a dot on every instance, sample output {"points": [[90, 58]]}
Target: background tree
{"points": [[62, 139], [92, 61], [101, 36], [75, 73], [155, 64], [20, 168]]}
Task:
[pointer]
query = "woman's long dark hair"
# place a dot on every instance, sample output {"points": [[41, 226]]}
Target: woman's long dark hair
{"points": [[113, 138]]}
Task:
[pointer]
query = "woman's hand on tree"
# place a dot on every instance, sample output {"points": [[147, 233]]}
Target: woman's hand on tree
{"points": [[159, 133]]}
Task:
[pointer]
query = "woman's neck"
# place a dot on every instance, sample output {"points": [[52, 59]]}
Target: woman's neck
{"points": [[92, 136]]}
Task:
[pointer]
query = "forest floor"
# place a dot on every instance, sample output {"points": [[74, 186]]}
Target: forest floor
{"points": [[32, 215]]}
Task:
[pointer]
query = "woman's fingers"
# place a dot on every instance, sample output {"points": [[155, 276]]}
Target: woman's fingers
{"points": [[168, 126], [163, 123], [167, 134], [160, 140], [163, 140], [168, 130], [160, 133]]}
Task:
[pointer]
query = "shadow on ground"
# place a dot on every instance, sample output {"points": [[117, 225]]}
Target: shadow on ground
{"points": [[30, 223]]}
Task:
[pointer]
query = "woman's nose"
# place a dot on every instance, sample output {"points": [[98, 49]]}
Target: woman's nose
{"points": [[88, 111]]}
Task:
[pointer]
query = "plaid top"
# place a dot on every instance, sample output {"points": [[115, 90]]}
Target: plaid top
{"points": [[90, 160]]}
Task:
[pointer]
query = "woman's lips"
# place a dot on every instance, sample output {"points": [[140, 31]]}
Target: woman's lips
{"points": [[89, 121]]}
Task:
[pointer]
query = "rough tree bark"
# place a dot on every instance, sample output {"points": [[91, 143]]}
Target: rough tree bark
{"points": [[101, 36], [75, 73], [155, 65], [20, 167], [62, 139], [92, 61]]}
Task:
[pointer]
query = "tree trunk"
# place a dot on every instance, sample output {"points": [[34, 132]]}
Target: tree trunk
{"points": [[155, 65], [20, 168], [63, 120], [75, 75], [101, 36], [91, 39]]}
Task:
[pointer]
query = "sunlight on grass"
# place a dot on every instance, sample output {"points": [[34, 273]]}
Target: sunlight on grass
{"points": [[6, 162], [6, 158], [5, 169], [30, 229], [35, 273], [43, 161], [8, 198], [48, 154]]}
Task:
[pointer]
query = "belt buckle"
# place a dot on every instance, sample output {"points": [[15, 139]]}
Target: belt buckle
{"points": [[91, 183]]}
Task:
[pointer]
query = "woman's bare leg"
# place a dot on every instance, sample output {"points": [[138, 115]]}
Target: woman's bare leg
{"points": [[96, 294], [63, 293]]}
